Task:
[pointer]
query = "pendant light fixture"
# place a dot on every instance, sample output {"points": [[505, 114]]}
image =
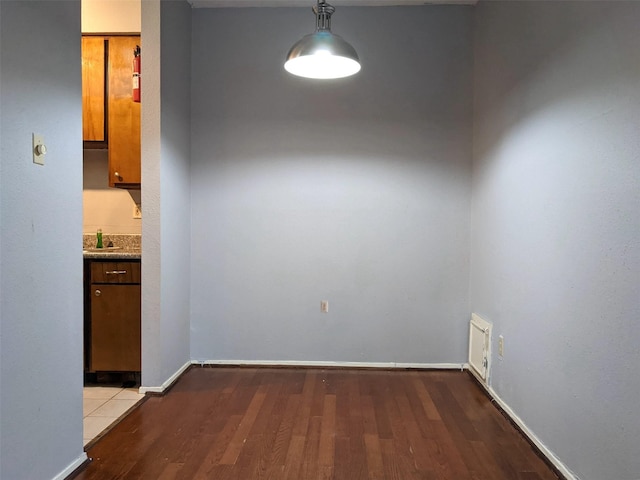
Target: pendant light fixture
{"points": [[322, 54]]}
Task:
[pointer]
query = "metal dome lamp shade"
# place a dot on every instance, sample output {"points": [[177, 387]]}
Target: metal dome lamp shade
{"points": [[322, 54]]}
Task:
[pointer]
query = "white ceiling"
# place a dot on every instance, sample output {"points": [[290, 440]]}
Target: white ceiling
{"points": [[309, 3]]}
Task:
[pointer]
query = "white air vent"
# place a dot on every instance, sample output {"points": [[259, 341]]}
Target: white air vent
{"points": [[479, 346]]}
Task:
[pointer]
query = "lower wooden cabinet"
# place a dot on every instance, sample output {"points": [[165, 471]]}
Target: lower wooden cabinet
{"points": [[115, 306]]}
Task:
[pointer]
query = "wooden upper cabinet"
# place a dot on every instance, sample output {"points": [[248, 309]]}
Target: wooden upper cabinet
{"points": [[124, 114], [93, 89], [110, 117]]}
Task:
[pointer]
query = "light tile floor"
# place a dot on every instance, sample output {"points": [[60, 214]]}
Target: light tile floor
{"points": [[102, 406]]}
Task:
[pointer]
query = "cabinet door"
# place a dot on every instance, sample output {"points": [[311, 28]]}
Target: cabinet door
{"points": [[115, 328], [124, 115], [93, 89]]}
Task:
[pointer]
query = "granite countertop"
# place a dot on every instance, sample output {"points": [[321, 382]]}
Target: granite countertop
{"points": [[111, 254], [124, 247]]}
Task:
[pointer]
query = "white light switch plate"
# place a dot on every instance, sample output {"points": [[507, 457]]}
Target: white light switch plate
{"points": [[38, 143]]}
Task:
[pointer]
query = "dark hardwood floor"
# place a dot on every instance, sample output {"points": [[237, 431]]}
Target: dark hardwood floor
{"points": [[303, 424]]}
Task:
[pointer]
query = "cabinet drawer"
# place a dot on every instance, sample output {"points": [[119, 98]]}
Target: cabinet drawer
{"points": [[115, 272]]}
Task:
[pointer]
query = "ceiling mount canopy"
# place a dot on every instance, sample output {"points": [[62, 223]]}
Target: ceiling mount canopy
{"points": [[322, 54]]}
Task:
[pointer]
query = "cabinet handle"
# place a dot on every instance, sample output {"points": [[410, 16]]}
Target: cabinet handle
{"points": [[116, 272], [117, 175], [98, 293]]}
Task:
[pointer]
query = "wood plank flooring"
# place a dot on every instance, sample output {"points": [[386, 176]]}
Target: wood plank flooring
{"points": [[308, 424]]}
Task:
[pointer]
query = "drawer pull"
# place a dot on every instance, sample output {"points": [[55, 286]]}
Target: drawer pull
{"points": [[98, 293], [116, 272]]}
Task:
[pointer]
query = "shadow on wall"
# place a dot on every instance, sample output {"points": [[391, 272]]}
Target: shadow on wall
{"points": [[569, 40]]}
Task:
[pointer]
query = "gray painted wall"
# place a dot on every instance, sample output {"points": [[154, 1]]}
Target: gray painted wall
{"points": [[556, 222], [175, 202], [354, 191], [166, 136], [150, 146], [40, 258]]}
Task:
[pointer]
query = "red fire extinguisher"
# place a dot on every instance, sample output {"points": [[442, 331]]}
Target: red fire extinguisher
{"points": [[136, 74]]}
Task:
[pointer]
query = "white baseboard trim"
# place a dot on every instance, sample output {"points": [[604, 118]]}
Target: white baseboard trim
{"points": [[551, 457], [168, 382], [311, 363], [71, 467], [299, 363]]}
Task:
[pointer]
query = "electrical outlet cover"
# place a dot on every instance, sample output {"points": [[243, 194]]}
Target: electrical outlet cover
{"points": [[324, 306]]}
